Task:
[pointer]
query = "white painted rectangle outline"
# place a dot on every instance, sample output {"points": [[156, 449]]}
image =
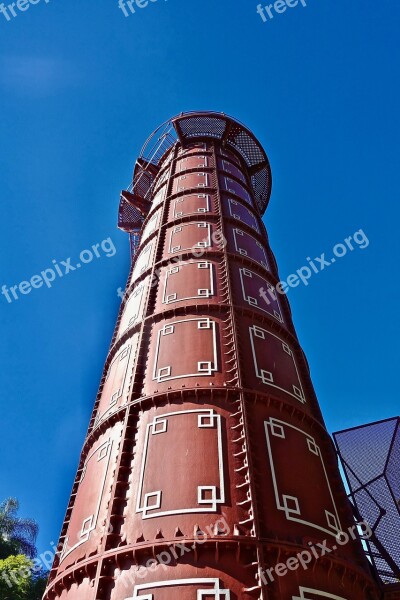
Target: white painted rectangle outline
{"points": [[85, 533], [147, 231], [152, 429], [288, 350], [244, 252], [232, 191], [163, 177], [117, 358], [201, 209], [281, 424], [204, 265], [201, 158], [193, 146], [203, 243], [202, 184], [159, 197], [146, 251], [170, 329], [226, 165], [303, 590], [132, 321], [218, 592], [242, 273], [233, 202]]}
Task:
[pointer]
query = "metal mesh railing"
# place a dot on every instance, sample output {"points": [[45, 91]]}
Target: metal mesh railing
{"points": [[208, 125], [370, 455], [246, 145], [236, 136], [185, 128], [202, 126]]}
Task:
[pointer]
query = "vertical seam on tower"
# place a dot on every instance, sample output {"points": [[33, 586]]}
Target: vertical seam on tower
{"points": [[253, 511]]}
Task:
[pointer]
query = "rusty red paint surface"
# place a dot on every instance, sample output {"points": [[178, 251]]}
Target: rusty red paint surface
{"points": [[206, 446]]}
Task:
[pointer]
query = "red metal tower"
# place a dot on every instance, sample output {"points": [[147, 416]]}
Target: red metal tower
{"points": [[207, 471]]}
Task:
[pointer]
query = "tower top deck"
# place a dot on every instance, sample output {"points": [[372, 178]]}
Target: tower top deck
{"points": [[204, 125]]}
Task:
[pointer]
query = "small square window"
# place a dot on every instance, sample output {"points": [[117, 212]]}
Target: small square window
{"points": [[312, 446], [204, 367], [266, 376], [206, 421], [86, 526], [156, 503], [114, 398], [291, 504], [159, 426], [103, 452], [168, 329], [298, 392], [258, 332], [206, 495], [277, 430], [332, 521], [164, 373], [124, 354]]}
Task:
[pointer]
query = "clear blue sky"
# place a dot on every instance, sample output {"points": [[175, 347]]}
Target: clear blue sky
{"points": [[81, 88]]}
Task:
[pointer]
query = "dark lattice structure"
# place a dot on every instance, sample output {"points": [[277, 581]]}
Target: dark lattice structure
{"points": [[370, 455]]}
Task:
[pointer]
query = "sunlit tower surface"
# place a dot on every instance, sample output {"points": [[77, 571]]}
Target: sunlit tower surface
{"points": [[207, 463]]}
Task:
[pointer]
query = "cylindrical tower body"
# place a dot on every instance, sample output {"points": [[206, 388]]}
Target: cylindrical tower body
{"points": [[207, 471]]}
